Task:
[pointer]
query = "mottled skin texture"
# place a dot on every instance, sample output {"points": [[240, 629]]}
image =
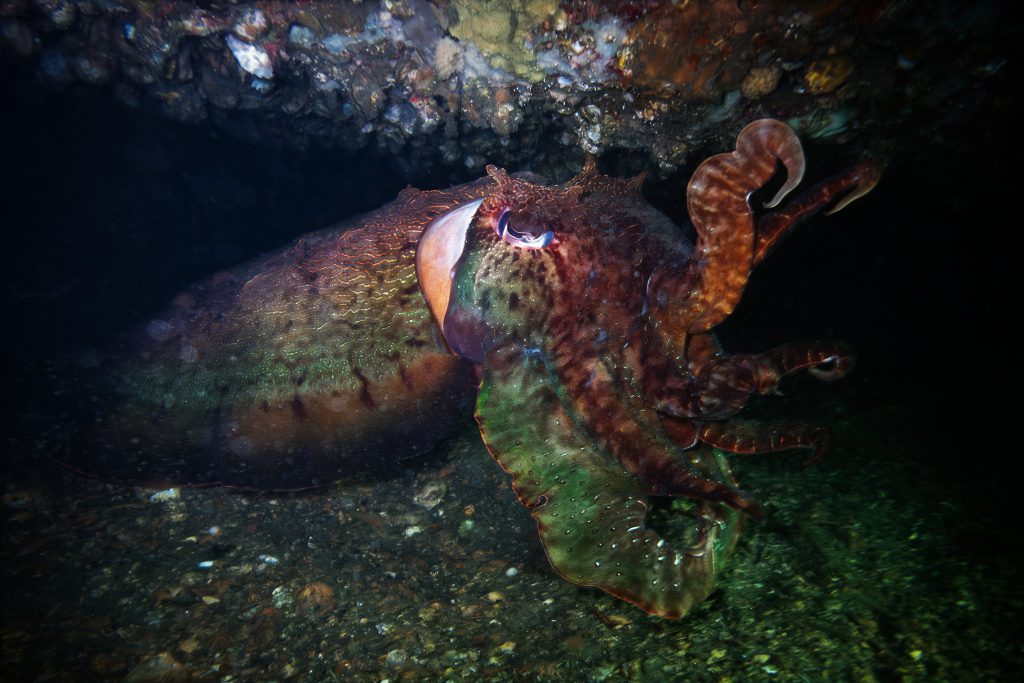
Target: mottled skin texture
{"points": [[294, 369], [600, 380]]}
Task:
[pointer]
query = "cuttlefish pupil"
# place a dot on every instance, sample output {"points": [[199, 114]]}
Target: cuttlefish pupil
{"points": [[524, 240]]}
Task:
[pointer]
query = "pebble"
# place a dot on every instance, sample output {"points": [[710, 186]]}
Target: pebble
{"points": [[161, 668], [281, 597], [252, 58], [431, 494], [316, 596], [251, 25], [511, 571], [165, 495], [301, 36]]}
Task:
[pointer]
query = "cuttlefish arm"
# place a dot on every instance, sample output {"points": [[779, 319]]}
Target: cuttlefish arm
{"points": [[717, 196], [590, 512]]}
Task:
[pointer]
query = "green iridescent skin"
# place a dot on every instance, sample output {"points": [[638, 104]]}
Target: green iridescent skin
{"points": [[591, 513]]}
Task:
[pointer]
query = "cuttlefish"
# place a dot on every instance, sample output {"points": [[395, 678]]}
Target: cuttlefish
{"points": [[577, 317]]}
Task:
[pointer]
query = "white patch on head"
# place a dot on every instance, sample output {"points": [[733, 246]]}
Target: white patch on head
{"points": [[438, 251]]}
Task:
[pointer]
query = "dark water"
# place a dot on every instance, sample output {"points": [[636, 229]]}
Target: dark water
{"points": [[895, 559]]}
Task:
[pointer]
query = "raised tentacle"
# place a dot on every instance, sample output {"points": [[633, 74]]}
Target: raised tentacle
{"points": [[847, 187], [749, 436], [589, 511], [717, 199]]}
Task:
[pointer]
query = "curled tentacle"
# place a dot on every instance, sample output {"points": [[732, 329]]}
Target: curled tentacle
{"points": [[847, 187], [748, 436], [706, 293]]}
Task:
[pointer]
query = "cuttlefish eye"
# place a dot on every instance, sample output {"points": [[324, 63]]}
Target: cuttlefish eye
{"points": [[523, 240]]}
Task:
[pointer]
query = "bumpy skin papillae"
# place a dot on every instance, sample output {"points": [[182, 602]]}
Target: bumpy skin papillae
{"points": [[289, 371]]}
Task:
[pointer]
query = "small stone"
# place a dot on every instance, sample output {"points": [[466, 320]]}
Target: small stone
{"points": [[761, 658], [413, 530], [495, 596], [165, 495], [281, 597], [826, 75], [210, 600], [616, 621], [301, 35], [252, 58], [251, 25], [511, 571], [161, 668], [430, 612], [507, 648], [316, 596], [760, 82], [396, 658], [431, 494], [188, 646]]}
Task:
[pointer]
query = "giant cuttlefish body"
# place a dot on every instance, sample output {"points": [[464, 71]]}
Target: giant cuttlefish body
{"points": [[578, 316]]}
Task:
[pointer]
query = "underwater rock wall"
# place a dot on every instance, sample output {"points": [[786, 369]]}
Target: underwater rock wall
{"points": [[525, 83]]}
